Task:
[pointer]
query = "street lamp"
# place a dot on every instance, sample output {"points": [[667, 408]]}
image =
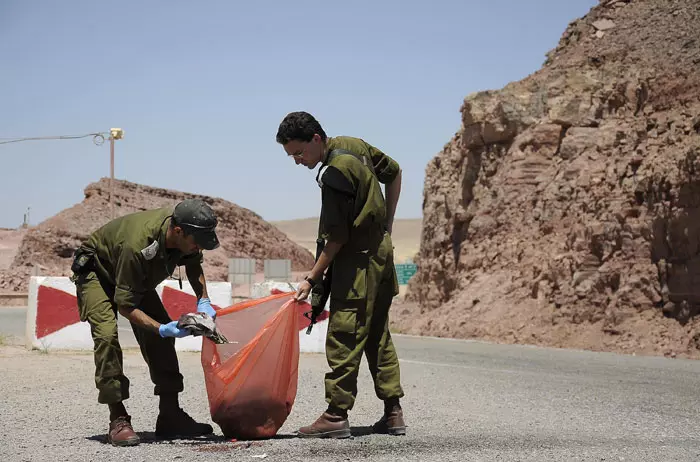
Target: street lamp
{"points": [[114, 134]]}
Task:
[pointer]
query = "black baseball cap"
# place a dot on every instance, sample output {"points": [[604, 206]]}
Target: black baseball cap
{"points": [[195, 217]]}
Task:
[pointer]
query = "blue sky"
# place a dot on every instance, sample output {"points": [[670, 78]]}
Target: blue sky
{"points": [[200, 89]]}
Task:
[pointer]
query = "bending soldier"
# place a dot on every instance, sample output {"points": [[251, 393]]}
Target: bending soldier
{"points": [[355, 224], [117, 269]]}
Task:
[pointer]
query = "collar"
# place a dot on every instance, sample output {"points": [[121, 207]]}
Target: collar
{"points": [[162, 234], [329, 140]]}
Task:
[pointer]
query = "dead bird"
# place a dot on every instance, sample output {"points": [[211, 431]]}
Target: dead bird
{"points": [[201, 324]]}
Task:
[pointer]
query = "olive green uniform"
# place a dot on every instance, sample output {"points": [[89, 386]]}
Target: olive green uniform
{"points": [[364, 279], [128, 259]]}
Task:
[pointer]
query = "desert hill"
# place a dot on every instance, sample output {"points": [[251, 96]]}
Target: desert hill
{"points": [[51, 244]]}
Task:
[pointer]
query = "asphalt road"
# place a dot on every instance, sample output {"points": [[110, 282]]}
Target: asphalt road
{"points": [[464, 401], [12, 323]]}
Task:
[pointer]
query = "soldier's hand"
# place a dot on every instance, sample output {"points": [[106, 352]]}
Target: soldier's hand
{"points": [[204, 306], [171, 330], [302, 291]]}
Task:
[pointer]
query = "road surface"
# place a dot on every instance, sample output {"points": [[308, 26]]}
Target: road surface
{"points": [[464, 401]]}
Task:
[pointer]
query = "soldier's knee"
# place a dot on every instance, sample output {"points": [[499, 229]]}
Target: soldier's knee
{"points": [[106, 334]]}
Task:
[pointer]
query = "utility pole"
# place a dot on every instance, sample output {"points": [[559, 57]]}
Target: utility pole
{"points": [[114, 134]]}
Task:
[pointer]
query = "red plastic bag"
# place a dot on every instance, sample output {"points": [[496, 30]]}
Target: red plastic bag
{"points": [[252, 385]]}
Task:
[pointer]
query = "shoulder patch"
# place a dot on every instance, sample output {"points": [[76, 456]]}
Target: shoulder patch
{"points": [[150, 251]]}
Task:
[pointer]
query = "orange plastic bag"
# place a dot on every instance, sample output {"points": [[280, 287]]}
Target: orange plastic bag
{"points": [[252, 385]]}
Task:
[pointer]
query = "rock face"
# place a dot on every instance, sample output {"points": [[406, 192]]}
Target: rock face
{"points": [[9, 242], [242, 233], [566, 210]]}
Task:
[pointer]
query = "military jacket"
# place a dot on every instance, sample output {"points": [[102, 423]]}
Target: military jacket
{"points": [[353, 205], [130, 254]]}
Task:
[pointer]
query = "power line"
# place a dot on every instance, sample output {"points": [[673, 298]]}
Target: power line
{"points": [[97, 138]]}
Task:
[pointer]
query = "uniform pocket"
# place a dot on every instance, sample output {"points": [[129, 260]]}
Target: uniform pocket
{"points": [[343, 321], [83, 283], [350, 278]]}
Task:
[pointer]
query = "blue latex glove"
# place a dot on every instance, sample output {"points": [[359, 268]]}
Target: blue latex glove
{"points": [[171, 330], [204, 306]]}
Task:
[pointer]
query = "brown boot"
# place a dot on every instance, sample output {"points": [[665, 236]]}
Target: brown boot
{"points": [[329, 425], [121, 433], [392, 422]]}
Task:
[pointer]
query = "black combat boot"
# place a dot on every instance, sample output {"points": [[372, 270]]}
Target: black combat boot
{"points": [[173, 422]]}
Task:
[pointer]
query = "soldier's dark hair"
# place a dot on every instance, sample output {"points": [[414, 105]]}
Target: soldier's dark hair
{"points": [[186, 230], [174, 223], [300, 126]]}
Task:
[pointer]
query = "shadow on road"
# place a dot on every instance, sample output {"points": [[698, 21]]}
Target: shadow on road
{"points": [[361, 431], [150, 438]]}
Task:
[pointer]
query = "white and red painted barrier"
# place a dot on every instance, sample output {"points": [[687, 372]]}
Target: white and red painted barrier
{"points": [[53, 321], [314, 342]]}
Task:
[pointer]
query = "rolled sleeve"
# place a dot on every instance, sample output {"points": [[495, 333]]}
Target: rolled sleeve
{"points": [[385, 167]]}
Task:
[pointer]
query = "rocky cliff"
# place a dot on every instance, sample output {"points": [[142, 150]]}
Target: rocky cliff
{"points": [[242, 233], [566, 210]]}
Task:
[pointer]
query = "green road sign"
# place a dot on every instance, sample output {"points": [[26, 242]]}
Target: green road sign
{"points": [[404, 272]]}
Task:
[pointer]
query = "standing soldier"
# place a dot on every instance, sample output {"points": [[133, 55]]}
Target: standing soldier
{"points": [[355, 230], [117, 270]]}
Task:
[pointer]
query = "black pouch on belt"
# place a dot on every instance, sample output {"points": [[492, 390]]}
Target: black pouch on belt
{"points": [[81, 260]]}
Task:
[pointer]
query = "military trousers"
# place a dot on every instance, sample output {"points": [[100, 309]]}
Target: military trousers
{"points": [[362, 290], [96, 306]]}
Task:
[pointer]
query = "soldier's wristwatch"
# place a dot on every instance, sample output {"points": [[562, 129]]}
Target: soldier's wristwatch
{"points": [[310, 281]]}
